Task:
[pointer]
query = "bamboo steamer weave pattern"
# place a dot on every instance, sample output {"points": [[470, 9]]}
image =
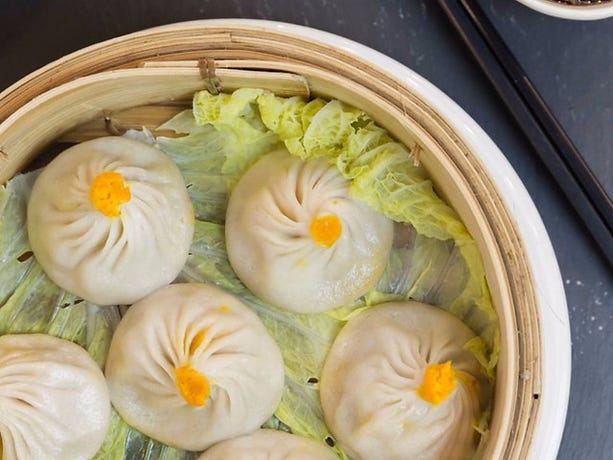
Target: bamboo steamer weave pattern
{"points": [[143, 78]]}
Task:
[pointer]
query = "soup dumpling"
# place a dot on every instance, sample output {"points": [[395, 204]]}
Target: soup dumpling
{"points": [[110, 220], [54, 402], [190, 365], [398, 383], [269, 445], [297, 240]]}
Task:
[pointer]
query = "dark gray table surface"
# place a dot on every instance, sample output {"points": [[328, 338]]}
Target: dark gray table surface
{"points": [[570, 62]]}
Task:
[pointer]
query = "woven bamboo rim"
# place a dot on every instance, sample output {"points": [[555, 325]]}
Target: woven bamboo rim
{"points": [[142, 78]]}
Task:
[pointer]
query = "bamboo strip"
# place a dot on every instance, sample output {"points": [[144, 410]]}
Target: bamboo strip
{"points": [[148, 116], [33, 127], [281, 83]]}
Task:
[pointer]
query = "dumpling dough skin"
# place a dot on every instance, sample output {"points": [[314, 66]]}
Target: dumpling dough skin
{"points": [[269, 445], [269, 242], [216, 334], [111, 260], [371, 374], [54, 402]]}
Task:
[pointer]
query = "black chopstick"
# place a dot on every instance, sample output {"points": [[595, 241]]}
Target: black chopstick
{"points": [[550, 141]]}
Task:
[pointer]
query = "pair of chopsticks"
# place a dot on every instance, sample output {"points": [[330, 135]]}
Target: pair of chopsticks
{"points": [[550, 141]]}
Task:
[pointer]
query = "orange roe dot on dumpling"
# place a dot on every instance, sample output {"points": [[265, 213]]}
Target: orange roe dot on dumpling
{"points": [[196, 342], [192, 385], [325, 230], [107, 192], [439, 381]]}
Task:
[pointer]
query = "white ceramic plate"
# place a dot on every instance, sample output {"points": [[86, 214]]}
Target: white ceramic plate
{"points": [[584, 12], [555, 330]]}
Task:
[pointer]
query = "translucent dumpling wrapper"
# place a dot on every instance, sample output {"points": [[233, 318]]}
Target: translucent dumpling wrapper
{"points": [[296, 238], [30, 301], [53, 398], [382, 172], [110, 220], [304, 339], [398, 383], [269, 445], [190, 365]]}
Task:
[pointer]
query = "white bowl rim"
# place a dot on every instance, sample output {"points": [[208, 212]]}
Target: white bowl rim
{"points": [[549, 288], [566, 11]]}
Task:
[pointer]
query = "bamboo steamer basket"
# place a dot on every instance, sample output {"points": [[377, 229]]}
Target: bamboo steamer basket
{"points": [[144, 78]]}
